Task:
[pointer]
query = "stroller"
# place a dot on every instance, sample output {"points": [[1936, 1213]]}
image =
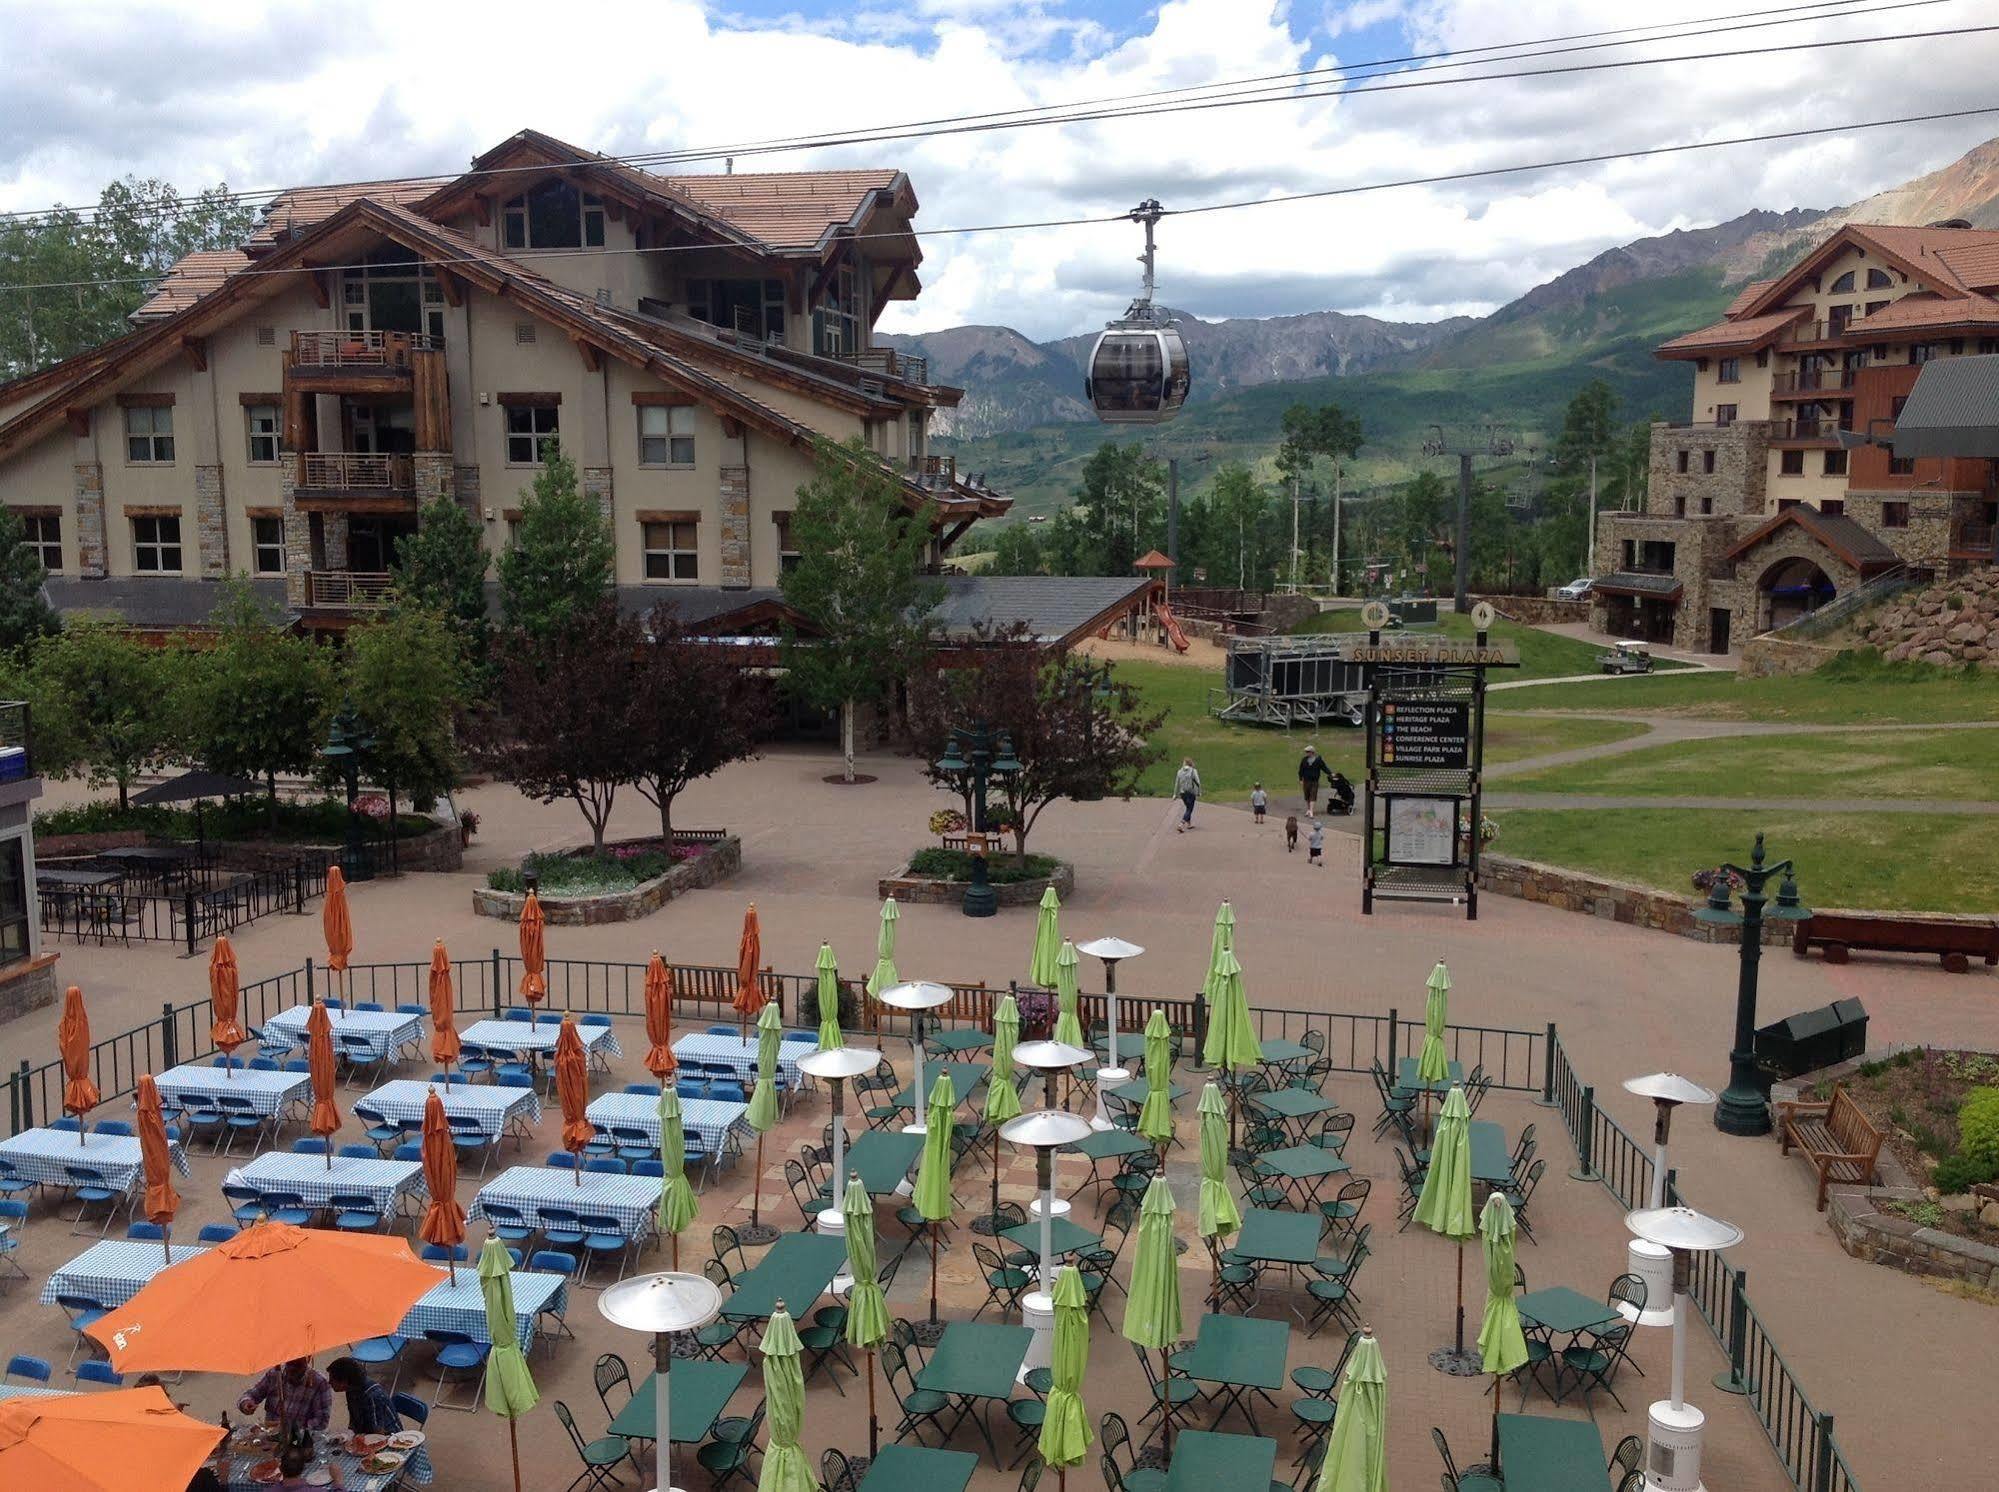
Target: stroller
{"points": [[1339, 794]]}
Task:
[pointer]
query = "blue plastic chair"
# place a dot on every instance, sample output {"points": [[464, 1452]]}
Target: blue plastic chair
{"points": [[83, 1310], [561, 1228], [359, 1152], [298, 1064], [34, 1369], [457, 1353], [246, 1203], [117, 1127], [648, 1168], [603, 1235], [731, 1092], [143, 1232], [354, 1212], [561, 1159], [519, 1013], [263, 1064], [691, 1087], [721, 1030], [383, 1352], [437, 1253], [411, 1408], [213, 1233], [409, 1150], [310, 1145], [88, 1188], [407, 1009], [509, 1224], [67, 1124], [373, 1007], [96, 1370], [643, 1090], [12, 1182], [607, 1165], [225, 1061], [332, 1004], [240, 1117], [549, 1319], [12, 1212], [289, 1208]]}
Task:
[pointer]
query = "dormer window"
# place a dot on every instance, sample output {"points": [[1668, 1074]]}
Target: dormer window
{"points": [[553, 216], [1843, 284], [1877, 279], [836, 321]]}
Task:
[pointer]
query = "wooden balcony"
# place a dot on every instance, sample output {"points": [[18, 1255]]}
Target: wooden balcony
{"points": [[355, 482], [1974, 539], [358, 362], [1821, 432], [347, 590], [1813, 334], [1812, 383]]}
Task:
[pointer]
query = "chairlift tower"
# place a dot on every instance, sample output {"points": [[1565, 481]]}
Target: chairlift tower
{"points": [[1491, 443]]}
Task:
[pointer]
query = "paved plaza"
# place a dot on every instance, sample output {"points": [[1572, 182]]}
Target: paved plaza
{"points": [[1625, 1002]]}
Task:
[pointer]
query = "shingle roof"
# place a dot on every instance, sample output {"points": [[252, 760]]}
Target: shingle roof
{"points": [[190, 278], [1746, 296], [301, 207], [1630, 583], [1858, 546], [1953, 410], [1750, 331], [1931, 310], [151, 603], [1933, 251], [1053, 608], [786, 209]]}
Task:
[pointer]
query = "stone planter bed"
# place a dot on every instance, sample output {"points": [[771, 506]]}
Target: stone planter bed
{"points": [[721, 858], [906, 886]]}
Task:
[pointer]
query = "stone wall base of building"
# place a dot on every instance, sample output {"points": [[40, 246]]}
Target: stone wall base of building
{"points": [[1536, 611], [28, 985], [1770, 657]]}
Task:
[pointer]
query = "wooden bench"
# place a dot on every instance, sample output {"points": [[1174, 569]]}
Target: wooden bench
{"points": [[1836, 1137], [1955, 943]]}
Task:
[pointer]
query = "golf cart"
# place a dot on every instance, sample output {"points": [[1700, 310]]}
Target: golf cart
{"points": [[1626, 657]]}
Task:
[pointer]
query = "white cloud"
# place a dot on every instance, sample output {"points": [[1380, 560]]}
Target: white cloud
{"points": [[325, 90]]}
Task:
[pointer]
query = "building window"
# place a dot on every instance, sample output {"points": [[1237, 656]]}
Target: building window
{"points": [[1679, 505], [149, 434], [1835, 463], [1707, 506], [670, 550], [752, 306], [1876, 305], [1877, 279], [666, 434], [836, 323], [787, 549], [1724, 414], [1833, 507], [156, 545], [531, 433], [267, 545], [1901, 466], [1895, 406], [915, 436], [1785, 504], [1791, 463], [1728, 370], [554, 216], [1707, 462], [1894, 514], [41, 536], [263, 420], [1922, 352], [1842, 285], [1683, 460], [13, 902]]}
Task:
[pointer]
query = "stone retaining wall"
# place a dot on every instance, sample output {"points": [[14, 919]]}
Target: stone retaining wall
{"points": [[1769, 657], [722, 860], [905, 887], [1888, 1238], [28, 985], [1534, 611], [1614, 901]]}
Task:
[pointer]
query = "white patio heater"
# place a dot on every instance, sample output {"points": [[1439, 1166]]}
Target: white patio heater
{"points": [[1044, 1131], [1673, 1449], [916, 996], [1050, 1058], [661, 1305], [1112, 951], [835, 1068], [1650, 1262]]}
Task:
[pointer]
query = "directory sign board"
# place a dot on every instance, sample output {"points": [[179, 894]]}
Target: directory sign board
{"points": [[1433, 733]]}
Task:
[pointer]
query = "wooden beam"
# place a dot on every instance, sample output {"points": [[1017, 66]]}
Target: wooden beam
{"points": [[482, 209], [893, 282], [79, 422], [196, 349], [322, 294], [732, 427], [592, 362], [452, 286]]}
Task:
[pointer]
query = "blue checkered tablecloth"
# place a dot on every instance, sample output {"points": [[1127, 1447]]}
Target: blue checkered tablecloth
{"points": [[403, 1100], [348, 1476], [388, 1184], [461, 1307], [42, 1154], [384, 1030], [23, 1391], [268, 1092], [632, 1200], [740, 1055], [702, 1119], [113, 1270], [519, 1036]]}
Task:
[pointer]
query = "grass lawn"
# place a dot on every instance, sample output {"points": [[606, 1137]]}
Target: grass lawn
{"points": [[1232, 758], [1855, 689], [1902, 861], [1932, 764], [1543, 655]]}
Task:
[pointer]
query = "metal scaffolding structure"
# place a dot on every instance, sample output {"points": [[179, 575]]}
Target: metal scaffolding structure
{"points": [[1286, 680]]}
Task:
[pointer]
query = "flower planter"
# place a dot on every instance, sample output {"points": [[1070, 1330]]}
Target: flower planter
{"points": [[722, 859]]}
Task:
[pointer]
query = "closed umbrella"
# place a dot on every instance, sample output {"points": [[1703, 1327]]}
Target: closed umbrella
{"points": [[1231, 1042], [97, 1442], [1219, 1214], [225, 1032], [1222, 939], [1432, 1064], [1152, 1311], [749, 954], [1155, 1118], [572, 1087], [443, 1219], [1445, 1209], [443, 1028], [763, 1110], [784, 1465], [1047, 940], [534, 955], [884, 974], [510, 1390], [325, 1120], [676, 1197], [1068, 1028], [660, 1061], [1002, 1094], [336, 923], [830, 1039], [1502, 1345], [933, 1172], [79, 1093], [1065, 1424], [867, 1311], [162, 1201], [1356, 1452]]}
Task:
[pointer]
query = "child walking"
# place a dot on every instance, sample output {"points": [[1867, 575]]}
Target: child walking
{"points": [[1316, 843], [1259, 800]]}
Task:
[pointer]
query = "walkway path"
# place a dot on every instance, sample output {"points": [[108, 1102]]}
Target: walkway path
{"points": [[1774, 805]]}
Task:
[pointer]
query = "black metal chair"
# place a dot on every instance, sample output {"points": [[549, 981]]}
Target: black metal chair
{"points": [[723, 1241], [1332, 1292], [611, 1373], [1521, 1195], [1593, 1364], [1475, 1482], [836, 1472], [1344, 1210], [920, 1406], [1626, 1458], [731, 1454], [598, 1456], [1004, 1282]]}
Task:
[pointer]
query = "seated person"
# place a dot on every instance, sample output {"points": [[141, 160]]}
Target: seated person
{"points": [[370, 1410], [294, 1394], [293, 1464]]}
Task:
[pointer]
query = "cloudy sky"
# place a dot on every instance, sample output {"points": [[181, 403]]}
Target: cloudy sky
{"points": [[317, 90]]}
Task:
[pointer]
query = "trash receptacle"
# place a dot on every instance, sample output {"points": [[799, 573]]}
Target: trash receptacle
{"points": [[1812, 1039]]}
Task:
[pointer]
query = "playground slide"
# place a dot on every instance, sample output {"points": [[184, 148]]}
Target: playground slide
{"points": [[1172, 626]]}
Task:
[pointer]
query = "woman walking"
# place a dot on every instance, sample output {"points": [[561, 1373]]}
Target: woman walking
{"points": [[1187, 785]]}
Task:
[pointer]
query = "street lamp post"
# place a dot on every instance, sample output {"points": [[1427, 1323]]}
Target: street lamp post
{"points": [[346, 742], [1744, 1107], [977, 755]]}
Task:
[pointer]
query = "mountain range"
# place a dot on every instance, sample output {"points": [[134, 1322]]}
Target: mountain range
{"points": [[1024, 424]]}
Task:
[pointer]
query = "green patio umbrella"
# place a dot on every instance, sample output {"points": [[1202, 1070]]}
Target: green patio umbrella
{"points": [[1432, 1065], [884, 974], [867, 1311], [1067, 1027], [785, 1468], [1223, 939], [1155, 1118], [1002, 1095], [830, 1039], [1445, 1209], [933, 1172], [676, 1197], [1357, 1451], [1152, 1311], [763, 1110], [510, 1390], [1219, 1214], [1502, 1344], [1047, 940], [1231, 1042], [1065, 1425]]}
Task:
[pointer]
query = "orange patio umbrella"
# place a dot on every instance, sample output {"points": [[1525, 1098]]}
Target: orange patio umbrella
{"points": [[162, 1201], [443, 1220], [339, 926], [79, 1093], [107, 1442], [268, 1295], [534, 957], [319, 1057], [660, 1061], [443, 1034], [749, 953], [572, 1087], [225, 1034]]}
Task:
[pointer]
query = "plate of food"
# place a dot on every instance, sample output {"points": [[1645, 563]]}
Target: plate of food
{"points": [[267, 1473], [319, 1476], [406, 1440], [365, 1445], [383, 1462]]}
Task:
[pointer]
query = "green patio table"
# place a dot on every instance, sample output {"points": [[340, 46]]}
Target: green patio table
{"points": [[1491, 1162], [960, 1039], [1238, 1354], [1134, 1092], [1107, 1144], [919, 1468], [1269, 1236], [1559, 1308], [700, 1391], [797, 1271], [1284, 1053], [883, 1157], [965, 1077], [975, 1362], [1291, 1107], [1303, 1169], [1206, 1462], [1064, 1236], [1538, 1450], [1406, 1079]]}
